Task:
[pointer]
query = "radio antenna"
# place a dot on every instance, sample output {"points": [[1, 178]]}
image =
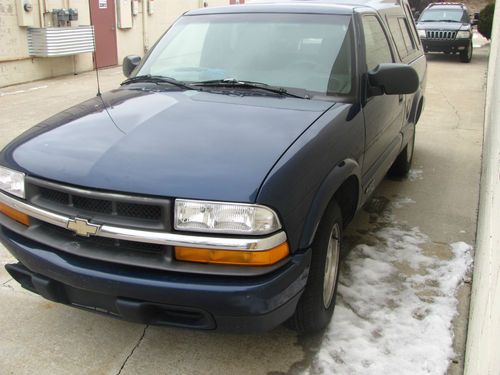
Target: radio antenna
{"points": [[94, 53]]}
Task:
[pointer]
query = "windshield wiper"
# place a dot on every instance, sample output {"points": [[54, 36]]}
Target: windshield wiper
{"points": [[158, 80], [230, 82]]}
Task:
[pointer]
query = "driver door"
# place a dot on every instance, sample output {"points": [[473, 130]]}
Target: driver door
{"points": [[384, 114]]}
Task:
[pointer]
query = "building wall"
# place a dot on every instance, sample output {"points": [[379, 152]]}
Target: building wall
{"points": [[15, 63], [17, 66]]}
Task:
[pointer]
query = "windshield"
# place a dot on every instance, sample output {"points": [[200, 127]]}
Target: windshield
{"points": [[294, 51], [442, 15]]}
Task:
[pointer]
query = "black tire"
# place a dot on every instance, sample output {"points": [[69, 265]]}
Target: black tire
{"points": [[315, 309], [402, 164], [466, 55]]}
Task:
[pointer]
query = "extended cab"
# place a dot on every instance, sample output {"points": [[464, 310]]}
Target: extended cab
{"points": [[211, 190]]}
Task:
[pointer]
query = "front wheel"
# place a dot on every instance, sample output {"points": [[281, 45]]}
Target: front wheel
{"points": [[466, 55], [315, 307]]}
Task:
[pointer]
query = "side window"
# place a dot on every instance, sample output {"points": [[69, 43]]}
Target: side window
{"points": [[377, 49], [413, 27], [398, 37], [401, 36], [409, 42]]}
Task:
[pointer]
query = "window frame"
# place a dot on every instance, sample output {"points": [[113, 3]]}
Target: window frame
{"points": [[366, 14], [412, 54], [413, 25], [352, 96]]}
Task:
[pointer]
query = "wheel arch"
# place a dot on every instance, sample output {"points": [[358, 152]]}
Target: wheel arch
{"points": [[343, 185], [416, 108], [420, 108]]}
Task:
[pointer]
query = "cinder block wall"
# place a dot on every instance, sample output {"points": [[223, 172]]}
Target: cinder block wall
{"points": [[16, 66]]}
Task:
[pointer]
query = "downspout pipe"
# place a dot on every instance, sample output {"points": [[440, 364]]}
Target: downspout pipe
{"points": [[145, 38], [41, 12]]}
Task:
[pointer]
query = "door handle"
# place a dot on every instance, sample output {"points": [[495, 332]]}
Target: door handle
{"points": [[401, 98]]}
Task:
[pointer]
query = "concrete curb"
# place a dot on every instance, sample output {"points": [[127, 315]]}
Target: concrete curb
{"points": [[483, 339]]}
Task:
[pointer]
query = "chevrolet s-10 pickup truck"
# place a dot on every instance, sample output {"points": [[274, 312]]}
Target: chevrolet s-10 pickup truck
{"points": [[211, 189]]}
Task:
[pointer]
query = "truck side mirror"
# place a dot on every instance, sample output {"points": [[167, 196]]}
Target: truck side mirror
{"points": [[392, 79], [129, 64]]}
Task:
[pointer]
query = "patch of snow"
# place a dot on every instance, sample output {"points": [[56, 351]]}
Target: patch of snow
{"points": [[395, 306], [478, 40], [415, 174], [401, 201]]}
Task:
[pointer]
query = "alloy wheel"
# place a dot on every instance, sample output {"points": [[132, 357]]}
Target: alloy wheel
{"points": [[331, 266]]}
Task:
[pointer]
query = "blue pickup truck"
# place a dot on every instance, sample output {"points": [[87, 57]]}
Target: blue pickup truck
{"points": [[211, 189]]}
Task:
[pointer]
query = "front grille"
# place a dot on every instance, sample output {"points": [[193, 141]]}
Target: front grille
{"points": [[54, 196], [134, 210], [438, 34], [92, 205], [104, 243], [125, 211], [103, 208], [138, 210]]}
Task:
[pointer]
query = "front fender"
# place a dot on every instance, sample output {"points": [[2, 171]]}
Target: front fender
{"points": [[341, 173], [314, 165]]}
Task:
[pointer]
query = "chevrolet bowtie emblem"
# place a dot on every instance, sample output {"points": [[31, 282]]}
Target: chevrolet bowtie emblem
{"points": [[82, 227]]}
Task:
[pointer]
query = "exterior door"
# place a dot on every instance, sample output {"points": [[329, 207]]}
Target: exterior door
{"points": [[103, 18], [384, 114]]}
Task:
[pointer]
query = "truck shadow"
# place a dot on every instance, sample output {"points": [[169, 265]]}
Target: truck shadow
{"points": [[480, 55]]}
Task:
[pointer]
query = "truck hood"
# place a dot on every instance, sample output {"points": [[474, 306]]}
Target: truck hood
{"points": [[165, 143], [441, 26]]}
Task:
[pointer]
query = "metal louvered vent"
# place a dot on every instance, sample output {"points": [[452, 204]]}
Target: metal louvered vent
{"points": [[60, 41]]}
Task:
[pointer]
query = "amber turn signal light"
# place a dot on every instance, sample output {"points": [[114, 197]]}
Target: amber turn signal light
{"points": [[235, 257], [14, 214]]}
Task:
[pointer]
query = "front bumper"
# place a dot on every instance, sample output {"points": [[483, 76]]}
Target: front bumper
{"points": [[231, 303], [445, 45]]}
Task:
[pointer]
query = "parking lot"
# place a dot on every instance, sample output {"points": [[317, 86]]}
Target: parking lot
{"points": [[402, 306]]}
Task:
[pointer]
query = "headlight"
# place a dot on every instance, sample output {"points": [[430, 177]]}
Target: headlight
{"points": [[219, 217], [12, 182], [463, 34], [421, 33]]}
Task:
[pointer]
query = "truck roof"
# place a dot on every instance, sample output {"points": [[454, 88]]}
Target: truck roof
{"points": [[446, 5], [299, 6]]}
